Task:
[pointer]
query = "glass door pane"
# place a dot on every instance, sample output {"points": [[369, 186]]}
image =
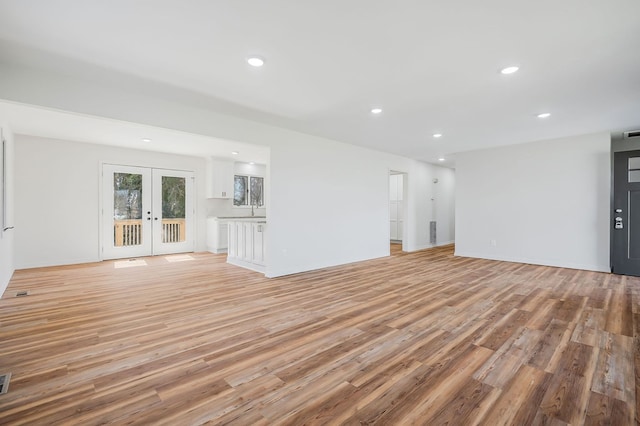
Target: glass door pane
{"points": [[126, 215], [173, 209], [127, 209]]}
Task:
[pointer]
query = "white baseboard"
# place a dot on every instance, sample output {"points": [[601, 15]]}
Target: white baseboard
{"points": [[428, 246], [246, 265], [58, 263], [542, 262], [315, 267], [216, 250]]}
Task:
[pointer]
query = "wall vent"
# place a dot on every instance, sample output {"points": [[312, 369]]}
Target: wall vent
{"points": [[432, 233], [632, 134], [4, 382]]}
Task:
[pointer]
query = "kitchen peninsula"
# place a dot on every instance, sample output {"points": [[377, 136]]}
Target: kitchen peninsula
{"points": [[242, 237]]}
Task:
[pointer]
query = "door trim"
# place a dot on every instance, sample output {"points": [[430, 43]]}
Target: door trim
{"points": [[158, 246], [144, 247], [620, 143], [101, 206]]}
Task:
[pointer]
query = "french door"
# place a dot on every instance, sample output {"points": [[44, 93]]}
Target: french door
{"points": [[146, 211]]}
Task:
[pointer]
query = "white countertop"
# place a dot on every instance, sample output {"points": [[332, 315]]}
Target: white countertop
{"points": [[238, 218]]}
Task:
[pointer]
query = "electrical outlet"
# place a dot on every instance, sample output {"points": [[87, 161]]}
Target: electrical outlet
{"points": [[493, 243]]}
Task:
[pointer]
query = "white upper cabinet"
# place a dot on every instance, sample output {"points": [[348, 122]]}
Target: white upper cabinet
{"points": [[219, 178]]}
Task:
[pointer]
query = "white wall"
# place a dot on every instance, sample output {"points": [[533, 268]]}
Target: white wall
{"points": [[338, 198], [543, 202], [58, 197], [327, 201], [329, 205], [7, 237]]}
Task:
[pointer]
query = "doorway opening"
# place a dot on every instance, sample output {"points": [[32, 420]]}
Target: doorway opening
{"points": [[146, 211], [397, 196]]}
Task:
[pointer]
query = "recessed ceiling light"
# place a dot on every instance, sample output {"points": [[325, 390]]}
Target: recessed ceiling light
{"points": [[509, 70], [440, 159], [235, 152], [146, 140], [376, 110], [544, 115], [437, 135], [255, 61], [252, 163]]}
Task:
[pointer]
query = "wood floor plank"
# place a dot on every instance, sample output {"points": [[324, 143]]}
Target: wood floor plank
{"points": [[461, 409], [506, 361], [568, 393], [614, 375], [451, 383], [519, 401], [547, 354], [598, 410], [414, 338], [504, 329]]}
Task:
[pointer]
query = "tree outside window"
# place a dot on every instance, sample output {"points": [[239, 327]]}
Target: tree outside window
{"points": [[248, 191]]}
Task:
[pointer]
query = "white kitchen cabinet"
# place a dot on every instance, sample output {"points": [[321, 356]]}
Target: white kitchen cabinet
{"points": [[217, 235], [247, 243], [219, 178], [232, 239], [258, 243]]}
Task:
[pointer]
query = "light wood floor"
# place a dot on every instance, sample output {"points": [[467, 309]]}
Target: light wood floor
{"points": [[424, 338]]}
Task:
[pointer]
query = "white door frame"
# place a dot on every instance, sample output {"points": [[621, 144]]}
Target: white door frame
{"points": [[404, 204], [159, 246], [109, 249], [152, 223]]}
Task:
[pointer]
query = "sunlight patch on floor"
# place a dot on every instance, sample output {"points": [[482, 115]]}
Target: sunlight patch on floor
{"points": [[129, 263], [179, 258]]}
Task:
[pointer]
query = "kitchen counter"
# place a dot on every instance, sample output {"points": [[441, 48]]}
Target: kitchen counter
{"points": [[238, 217], [247, 242]]}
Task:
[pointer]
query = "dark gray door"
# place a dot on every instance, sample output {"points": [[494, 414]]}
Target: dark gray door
{"points": [[625, 217]]}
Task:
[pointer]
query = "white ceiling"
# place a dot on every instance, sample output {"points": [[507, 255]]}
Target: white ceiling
{"points": [[37, 121], [433, 66]]}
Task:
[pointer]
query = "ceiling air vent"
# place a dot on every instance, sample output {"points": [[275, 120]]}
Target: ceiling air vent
{"points": [[632, 134]]}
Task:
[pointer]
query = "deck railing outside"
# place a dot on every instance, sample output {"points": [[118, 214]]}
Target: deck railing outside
{"points": [[173, 230], [128, 232]]}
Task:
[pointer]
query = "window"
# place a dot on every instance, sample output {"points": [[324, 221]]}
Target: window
{"points": [[248, 191]]}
